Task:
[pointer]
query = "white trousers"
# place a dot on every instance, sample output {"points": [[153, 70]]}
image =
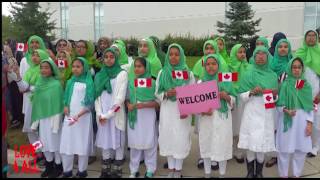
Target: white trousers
{"points": [[174, 163], [50, 155], [298, 160], [150, 159], [207, 166], [67, 162], [255, 155]]}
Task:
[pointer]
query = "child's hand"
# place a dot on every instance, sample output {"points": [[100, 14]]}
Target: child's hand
{"points": [[256, 90], [309, 129], [139, 105], [130, 107], [102, 120], [171, 92], [183, 116], [208, 113], [291, 113], [66, 111]]}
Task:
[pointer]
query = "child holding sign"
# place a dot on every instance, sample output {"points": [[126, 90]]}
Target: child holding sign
{"points": [[110, 87], [174, 129], [258, 87], [142, 129], [295, 121], [77, 131], [215, 126]]}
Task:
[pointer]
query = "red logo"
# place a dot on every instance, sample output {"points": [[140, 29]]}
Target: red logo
{"points": [[26, 154]]}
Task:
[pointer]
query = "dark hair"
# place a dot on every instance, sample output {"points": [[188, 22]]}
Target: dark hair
{"points": [[298, 59], [142, 60], [83, 41], [51, 68], [77, 59]]}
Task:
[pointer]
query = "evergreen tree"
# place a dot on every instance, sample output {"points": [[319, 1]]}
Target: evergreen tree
{"points": [[241, 27], [29, 20]]}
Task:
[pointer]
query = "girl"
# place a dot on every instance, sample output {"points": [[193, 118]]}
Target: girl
{"points": [[209, 47], [276, 38], [63, 45], [215, 127], [63, 62], [142, 133], [122, 54], [310, 54], [157, 44], [86, 49], [111, 86], [262, 41], [257, 123], [48, 117], [174, 129], [103, 44], [295, 120], [222, 49], [77, 133], [240, 65]]}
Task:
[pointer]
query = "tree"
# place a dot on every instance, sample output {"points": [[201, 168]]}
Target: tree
{"points": [[241, 27], [29, 20]]}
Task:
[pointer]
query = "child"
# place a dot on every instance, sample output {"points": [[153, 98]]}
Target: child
{"points": [[63, 62], [157, 44], [262, 41], [215, 126], [48, 90], [77, 133], [142, 133], [239, 65], [295, 120], [222, 49], [86, 49], [111, 87], [174, 129], [120, 48], [257, 122]]}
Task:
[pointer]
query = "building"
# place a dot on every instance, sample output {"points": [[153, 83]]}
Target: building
{"points": [[91, 20]]}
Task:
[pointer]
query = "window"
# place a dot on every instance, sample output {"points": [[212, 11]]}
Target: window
{"points": [[98, 20], [64, 14], [311, 15]]}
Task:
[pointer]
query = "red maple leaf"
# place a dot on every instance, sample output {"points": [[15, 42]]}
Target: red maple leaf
{"points": [[226, 76], [61, 63], [268, 98], [20, 46], [141, 82], [178, 74]]}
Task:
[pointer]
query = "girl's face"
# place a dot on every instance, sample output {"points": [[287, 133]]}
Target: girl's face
{"points": [[174, 56], [62, 46], [35, 58], [260, 43], [139, 68], [311, 38], [34, 45], [212, 66], [283, 49], [143, 48], [61, 55], [220, 44], [103, 45], [296, 68], [45, 69], [261, 58], [241, 54], [209, 49], [109, 59], [81, 48], [77, 67]]}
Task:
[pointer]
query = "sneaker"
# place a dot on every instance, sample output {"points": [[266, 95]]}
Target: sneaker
{"points": [[148, 175], [81, 174], [67, 174], [200, 163], [134, 175], [310, 155], [272, 162]]}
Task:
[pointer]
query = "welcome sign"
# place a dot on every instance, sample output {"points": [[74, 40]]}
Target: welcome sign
{"points": [[198, 98]]}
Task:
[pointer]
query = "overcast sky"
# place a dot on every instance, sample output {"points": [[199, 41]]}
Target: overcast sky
{"points": [[5, 8]]}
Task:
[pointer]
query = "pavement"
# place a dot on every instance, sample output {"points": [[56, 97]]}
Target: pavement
{"points": [[190, 170]]}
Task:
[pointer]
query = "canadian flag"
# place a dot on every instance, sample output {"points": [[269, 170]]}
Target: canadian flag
{"points": [[143, 82], [299, 84], [22, 47], [180, 74], [282, 77], [268, 99], [61, 63], [228, 76], [37, 145]]}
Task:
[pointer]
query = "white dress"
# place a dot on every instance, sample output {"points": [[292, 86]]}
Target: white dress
{"points": [[236, 116], [257, 125], [215, 135], [174, 133], [77, 138], [50, 139], [295, 138]]}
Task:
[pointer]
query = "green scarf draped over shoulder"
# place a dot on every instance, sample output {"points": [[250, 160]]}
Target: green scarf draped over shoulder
{"points": [[279, 63], [104, 76], [120, 45], [310, 54], [29, 51], [259, 75], [86, 78], [166, 81], [140, 94], [223, 52], [47, 98], [293, 98], [33, 73], [223, 86]]}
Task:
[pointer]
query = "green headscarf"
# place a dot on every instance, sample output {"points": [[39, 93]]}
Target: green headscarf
{"points": [[89, 56], [266, 44], [123, 59], [86, 78], [65, 73], [279, 63], [33, 73], [224, 52], [140, 94], [237, 65], [161, 55], [293, 98], [310, 55], [198, 68], [166, 81], [29, 52], [103, 77], [48, 91], [223, 86], [259, 75]]}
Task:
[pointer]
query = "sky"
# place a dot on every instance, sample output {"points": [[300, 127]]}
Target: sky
{"points": [[5, 8]]}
